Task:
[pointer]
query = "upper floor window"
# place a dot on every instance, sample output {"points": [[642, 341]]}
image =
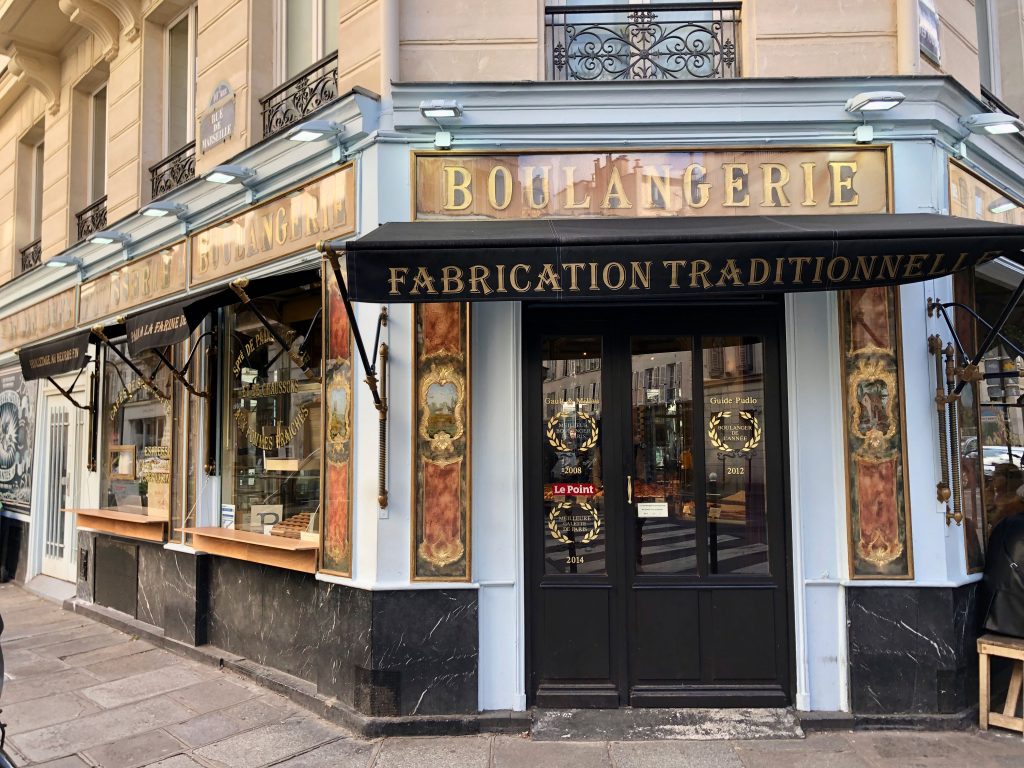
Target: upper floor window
{"points": [[29, 189], [181, 81], [98, 144], [309, 33]]}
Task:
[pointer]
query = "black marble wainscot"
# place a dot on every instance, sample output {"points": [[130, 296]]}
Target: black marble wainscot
{"points": [[13, 549], [912, 649], [173, 592], [381, 653]]}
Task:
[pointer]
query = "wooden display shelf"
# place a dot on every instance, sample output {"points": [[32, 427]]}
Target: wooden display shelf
{"points": [[117, 523], [278, 551], [1007, 648]]}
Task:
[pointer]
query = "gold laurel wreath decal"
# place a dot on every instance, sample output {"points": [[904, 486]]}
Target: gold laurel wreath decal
{"points": [[749, 445], [561, 507], [556, 442]]}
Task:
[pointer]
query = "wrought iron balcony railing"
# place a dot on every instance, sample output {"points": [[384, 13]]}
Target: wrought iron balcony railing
{"points": [[31, 255], [304, 94], [92, 218], [667, 41], [174, 170]]}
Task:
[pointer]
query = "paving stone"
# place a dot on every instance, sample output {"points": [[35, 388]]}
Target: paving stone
{"points": [[71, 761], [37, 686], [22, 662], [112, 648], [343, 753], [674, 754], [78, 645], [890, 745], [178, 761], [270, 743], [206, 729], [135, 751], [255, 712], [135, 664], [515, 752], [116, 693], [34, 630], [48, 710], [102, 728], [214, 694], [753, 758], [38, 644]]}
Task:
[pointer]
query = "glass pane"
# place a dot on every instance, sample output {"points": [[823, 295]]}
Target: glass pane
{"points": [[298, 47], [330, 26], [178, 85], [574, 524], [663, 455], [272, 431], [99, 145], [136, 463], [735, 455]]}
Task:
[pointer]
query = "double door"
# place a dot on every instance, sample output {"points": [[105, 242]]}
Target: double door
{"points": [[655, 525], [64, 451]]}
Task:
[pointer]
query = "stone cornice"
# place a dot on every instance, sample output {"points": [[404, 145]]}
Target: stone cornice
{"points": [[128, 14]]}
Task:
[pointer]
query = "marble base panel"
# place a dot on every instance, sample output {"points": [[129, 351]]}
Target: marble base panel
{"points": [[382, 653], [13, 549], [912, 649]]}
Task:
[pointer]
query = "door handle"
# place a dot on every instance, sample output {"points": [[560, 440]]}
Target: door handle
{"points": [[629, 489]]}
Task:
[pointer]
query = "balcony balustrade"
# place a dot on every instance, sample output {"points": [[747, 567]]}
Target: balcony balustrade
{"points": [[92, 218], [666, 41], [174, 170], [301, 96], [31, 255]]}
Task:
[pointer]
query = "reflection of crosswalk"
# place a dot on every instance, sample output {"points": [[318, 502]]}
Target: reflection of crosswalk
{"points": [[667, 546]]}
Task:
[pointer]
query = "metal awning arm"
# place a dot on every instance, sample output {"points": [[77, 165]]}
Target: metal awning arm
{"points": [[238, 286], [179, 375], [371, 374], [97, 331], [988, 326], [67, 393]]}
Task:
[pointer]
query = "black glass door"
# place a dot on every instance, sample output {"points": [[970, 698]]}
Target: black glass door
{"points": [[657, 548]]}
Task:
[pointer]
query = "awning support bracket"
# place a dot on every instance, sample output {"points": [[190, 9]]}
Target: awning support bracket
{"points": [[969, 371], [380, 401], [179, 375], [97, 331], [238, 286], [66, 393]]}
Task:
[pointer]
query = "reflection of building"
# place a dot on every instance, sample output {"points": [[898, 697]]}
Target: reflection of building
{"points": [[453, 499]]}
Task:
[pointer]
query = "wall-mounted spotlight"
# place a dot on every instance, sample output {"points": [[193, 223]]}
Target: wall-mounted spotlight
{"points": [[316, 130], [159, 210], [63, 262], [871, 101], [441, 109], [231, 174], [874, 101], [992, 122], [438, 110], [108, 236], [1002, 205]]}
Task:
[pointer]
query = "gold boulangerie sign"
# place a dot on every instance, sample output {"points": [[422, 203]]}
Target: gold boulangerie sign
{"points": [[138, 282], [639, 183], [321, 210], [46, 318]]}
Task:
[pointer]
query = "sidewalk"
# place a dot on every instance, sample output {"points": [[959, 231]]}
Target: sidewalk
{"points": [[79, 693]]}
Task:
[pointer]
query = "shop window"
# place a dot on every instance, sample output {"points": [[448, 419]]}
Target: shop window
{"points": [[181, 81], [272, 443], [140, 432], [309, 32]]}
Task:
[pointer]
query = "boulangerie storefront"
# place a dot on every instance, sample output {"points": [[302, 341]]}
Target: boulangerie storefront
{"points": [[656, 437]]}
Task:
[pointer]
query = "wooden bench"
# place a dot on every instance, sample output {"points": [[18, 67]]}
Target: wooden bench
{"points": [[1008, 648]]}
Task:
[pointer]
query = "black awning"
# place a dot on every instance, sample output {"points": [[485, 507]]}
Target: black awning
{"points": [[195, 309], [662, 257], [157, 328], [55, 358]]}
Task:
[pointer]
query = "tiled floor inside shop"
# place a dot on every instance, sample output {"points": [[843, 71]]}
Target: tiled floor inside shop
{"points": [[79, 693]]}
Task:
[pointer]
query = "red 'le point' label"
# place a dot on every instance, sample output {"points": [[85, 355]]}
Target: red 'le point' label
{"points": [[573, 489]]}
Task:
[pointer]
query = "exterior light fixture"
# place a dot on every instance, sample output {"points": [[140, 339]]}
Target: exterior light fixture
{"points": [[992, 122], [874, 101], [159, 210], [1002, 205], [62, 262], [230, 174], [107, 236], [316, 130], [441, 109]]}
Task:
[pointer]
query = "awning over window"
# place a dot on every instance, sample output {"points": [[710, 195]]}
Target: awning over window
{"points": [[577, 259], [157, 328], [55, 358]]}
